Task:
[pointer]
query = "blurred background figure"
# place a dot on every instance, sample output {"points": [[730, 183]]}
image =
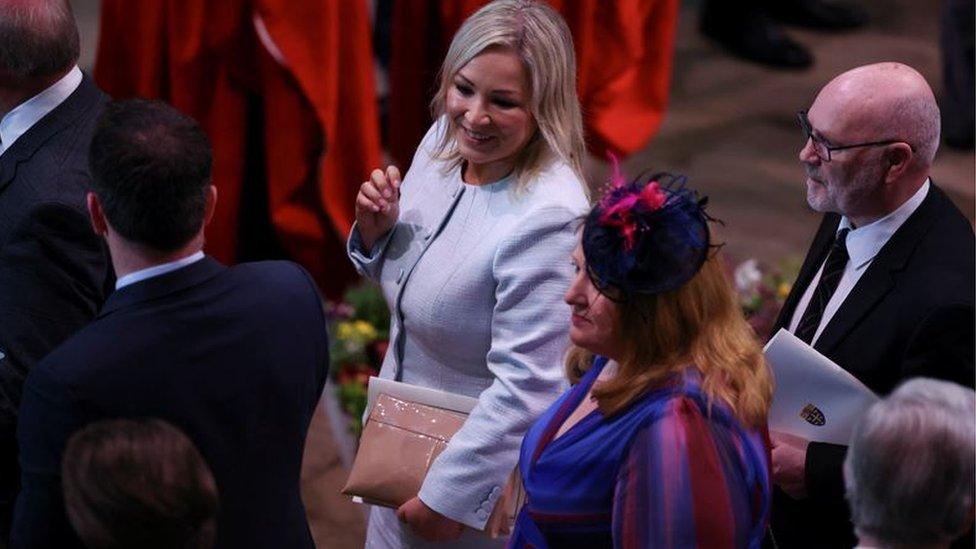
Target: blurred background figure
{"points": [[750, 28], [138, 484], [959, 85], [911, 467]]}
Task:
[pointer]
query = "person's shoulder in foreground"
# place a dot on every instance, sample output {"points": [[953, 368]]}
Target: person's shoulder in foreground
{"points": [[220, 352]]}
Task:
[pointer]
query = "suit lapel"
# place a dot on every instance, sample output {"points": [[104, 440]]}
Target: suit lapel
{"points": [[162, 285], [882, 274], [59, 119]]}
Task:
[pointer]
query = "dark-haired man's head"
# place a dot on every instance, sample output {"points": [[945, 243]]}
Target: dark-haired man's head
{"points": [[150, 167], [138, 483]]}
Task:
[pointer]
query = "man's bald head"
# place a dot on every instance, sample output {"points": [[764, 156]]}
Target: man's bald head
{"points": [[887, 101], [874, 131], [38, 38]]}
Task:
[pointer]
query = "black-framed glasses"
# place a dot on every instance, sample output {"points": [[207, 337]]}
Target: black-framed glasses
{"points": [[824, 150]]}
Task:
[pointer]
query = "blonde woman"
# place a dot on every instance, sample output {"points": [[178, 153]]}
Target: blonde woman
{"points": [[470, 250], [659, 443]]}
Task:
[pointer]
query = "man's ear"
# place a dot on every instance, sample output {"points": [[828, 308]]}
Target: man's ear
{"points": [[211, 205], [899, 157], [99, 225]]}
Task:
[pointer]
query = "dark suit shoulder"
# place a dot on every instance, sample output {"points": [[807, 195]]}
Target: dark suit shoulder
{"points": [[279, 276], [941, 267], [265, 295]]}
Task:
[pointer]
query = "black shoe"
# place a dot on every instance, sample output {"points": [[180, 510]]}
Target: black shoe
{"points": [[755, 37], [817, 14]]}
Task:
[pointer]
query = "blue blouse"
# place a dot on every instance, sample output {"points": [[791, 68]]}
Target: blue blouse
{"points": [[670, 470]]}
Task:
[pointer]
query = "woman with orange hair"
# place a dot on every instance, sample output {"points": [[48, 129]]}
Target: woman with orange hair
{"points": [[659, 442]]}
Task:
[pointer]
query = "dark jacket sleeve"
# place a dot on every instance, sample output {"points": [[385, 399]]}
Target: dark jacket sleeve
{"points": [[942, 348], [54, 272], [49, 414]]}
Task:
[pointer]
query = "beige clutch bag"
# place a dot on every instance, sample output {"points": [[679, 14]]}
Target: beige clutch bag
{"points": [[400, 441]]}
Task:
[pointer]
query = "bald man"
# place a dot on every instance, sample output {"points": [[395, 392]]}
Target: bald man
{"points": [[886, 290]]}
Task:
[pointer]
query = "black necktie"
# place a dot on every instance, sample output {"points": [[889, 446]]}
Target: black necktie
{"points": [[832, 271]]}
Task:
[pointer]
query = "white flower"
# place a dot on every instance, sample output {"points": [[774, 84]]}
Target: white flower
{"points": [[747, 276]]}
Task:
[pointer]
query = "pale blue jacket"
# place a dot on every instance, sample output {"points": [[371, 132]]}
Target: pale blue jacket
{"points": [[475, 276]]}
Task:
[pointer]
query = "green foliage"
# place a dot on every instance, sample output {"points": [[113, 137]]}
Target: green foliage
{"points": [[359, 329], [367, 301]]}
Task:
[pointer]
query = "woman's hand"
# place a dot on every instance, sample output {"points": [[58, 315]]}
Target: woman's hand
{"points": [[378, 205], [427, 523]]}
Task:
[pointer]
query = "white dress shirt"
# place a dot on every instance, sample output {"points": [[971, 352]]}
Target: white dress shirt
{"points": [[16, 122], [156, 270], [863, 244]]}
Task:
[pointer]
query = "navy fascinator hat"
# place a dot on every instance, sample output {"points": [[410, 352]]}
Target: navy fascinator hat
{"points": [[648, 236]]}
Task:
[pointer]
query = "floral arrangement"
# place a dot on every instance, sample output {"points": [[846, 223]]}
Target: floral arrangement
{"points": [[359, 329], [762, 291]]}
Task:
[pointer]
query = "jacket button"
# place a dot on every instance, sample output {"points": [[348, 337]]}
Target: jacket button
{"points": [[482, 514]]}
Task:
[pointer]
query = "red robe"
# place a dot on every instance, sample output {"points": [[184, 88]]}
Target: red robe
{"points": [[291, 142], [624, 51]]}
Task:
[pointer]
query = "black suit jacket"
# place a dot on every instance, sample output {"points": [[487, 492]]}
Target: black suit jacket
{"points": [[236, 357], [54, 269], [910, 314]]}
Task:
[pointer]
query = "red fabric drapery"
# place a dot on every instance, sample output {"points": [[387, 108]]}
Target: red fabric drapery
{"points": [[624, 53], [298, 136]]}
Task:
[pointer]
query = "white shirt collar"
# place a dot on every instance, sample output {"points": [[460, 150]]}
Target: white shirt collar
{"points": [[156, 270], [16, 122], [863, 243]]}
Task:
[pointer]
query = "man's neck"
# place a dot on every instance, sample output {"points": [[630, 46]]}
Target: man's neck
{"points": [[891, 201], [14, 91], [128, 257]]}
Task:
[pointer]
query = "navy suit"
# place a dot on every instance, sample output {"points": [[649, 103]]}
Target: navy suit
{"points": [[236, 357], [910, 314], [54, 269]]}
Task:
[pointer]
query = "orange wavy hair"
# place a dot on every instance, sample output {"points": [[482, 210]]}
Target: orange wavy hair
{"points": [[700, 324]]}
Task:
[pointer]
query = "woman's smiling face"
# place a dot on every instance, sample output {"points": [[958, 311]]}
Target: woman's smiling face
{"points": [[489, 107]]}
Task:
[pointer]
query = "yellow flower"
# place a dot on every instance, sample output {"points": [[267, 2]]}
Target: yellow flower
{"points": [[365, 330], [783, 290], [344, 330]]}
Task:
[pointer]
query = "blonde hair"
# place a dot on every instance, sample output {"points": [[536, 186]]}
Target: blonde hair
{"points": [[700, 324], [538, 35]]}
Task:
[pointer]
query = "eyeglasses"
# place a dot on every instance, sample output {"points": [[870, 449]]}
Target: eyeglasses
{"points": [[824, 150]]}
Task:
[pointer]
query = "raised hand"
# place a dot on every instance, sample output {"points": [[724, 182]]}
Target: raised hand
{"points": [[378, 205]]}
